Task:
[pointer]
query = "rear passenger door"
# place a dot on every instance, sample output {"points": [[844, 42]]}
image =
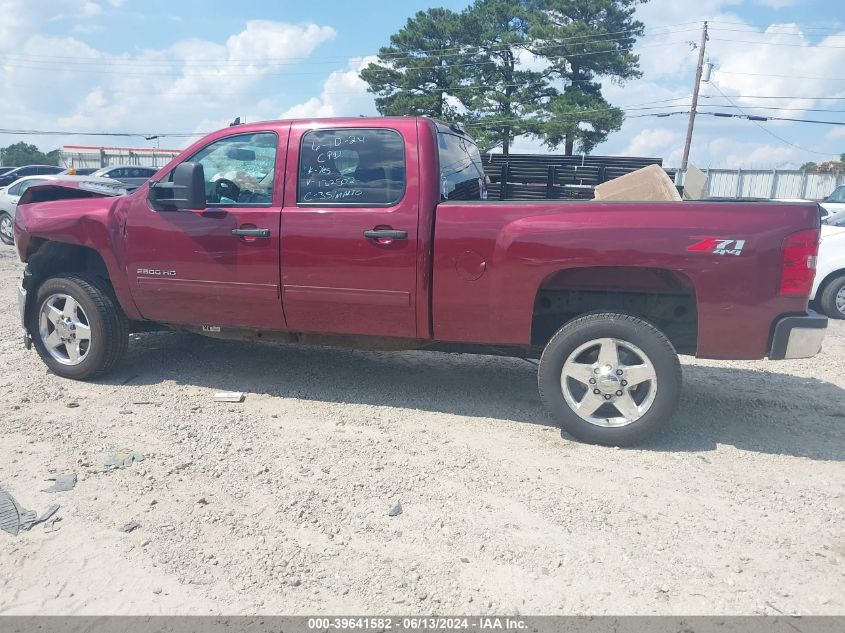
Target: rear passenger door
{"points": [[349, 231]]}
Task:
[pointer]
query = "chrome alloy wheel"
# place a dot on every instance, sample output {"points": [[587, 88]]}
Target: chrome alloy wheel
{"points": [[64, 329], [840, 300], [609, 382]]}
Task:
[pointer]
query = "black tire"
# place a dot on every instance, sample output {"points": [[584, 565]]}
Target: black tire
{"points": [[626, 329], [827, 300], [108, 325], [6, 221]]}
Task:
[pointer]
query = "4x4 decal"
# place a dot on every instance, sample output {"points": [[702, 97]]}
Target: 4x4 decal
{"points": [[718, 246]]}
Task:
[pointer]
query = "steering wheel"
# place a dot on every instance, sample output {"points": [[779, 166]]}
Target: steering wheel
{"points": [[226, 188]]}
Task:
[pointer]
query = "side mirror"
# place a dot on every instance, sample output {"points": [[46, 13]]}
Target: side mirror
{"points": [[187, 191]]}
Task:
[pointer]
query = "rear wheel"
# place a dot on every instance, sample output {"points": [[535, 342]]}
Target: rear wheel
{"points": [[7, 232], [77, 326], [610, 379], [832, 300]]}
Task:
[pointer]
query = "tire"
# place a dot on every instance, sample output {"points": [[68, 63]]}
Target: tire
{"points": [[7, 231], [95, 310], [587, 409], [832, 299]]}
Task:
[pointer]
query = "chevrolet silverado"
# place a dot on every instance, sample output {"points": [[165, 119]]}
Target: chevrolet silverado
{"points": [[376, 233]]}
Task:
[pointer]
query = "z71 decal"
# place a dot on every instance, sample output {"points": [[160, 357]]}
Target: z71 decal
{"points": [[718, 246]]}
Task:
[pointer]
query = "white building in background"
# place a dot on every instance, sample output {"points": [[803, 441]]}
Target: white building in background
{"points": [[81, 156]]}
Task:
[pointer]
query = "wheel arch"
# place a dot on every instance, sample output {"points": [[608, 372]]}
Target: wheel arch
{"points": [[826, 281], [666, 298], [47, 258]]}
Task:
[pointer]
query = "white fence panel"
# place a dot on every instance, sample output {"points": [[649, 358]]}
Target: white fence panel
{"points": [[789, 184], [781, 183]]}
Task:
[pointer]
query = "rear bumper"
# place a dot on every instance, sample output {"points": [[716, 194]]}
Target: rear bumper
{"points": [[798, 336]]}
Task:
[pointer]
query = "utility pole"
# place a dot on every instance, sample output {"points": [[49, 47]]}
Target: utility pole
{"points": [[691, 123]]}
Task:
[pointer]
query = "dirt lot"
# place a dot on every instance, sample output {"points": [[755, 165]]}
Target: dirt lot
{"points": [[280, 504]]}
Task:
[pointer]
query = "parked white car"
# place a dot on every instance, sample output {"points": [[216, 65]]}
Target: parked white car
{"points": [[829, 286], [834, 204], [10, 195]]}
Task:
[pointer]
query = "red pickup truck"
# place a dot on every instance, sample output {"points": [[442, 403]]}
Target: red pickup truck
{"points": [[376, 233]]}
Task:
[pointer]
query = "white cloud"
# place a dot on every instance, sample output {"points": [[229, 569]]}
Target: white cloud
{"points": [[653, 142], [91, 9], [344, 93], [150, 90], [836, 134], [777, 4]]}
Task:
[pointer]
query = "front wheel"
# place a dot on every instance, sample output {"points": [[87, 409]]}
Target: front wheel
{"points": [[77, 326], [610, 379], [7, 232]]}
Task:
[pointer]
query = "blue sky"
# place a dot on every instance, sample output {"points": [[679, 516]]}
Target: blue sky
{"points": [[191, 66]]}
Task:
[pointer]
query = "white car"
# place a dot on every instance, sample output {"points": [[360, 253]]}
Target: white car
{"points": [[829, 286], [10, 195], [834, 204]]}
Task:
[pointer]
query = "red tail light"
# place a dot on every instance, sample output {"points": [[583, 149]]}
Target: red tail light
{"points": [[799, 263]]}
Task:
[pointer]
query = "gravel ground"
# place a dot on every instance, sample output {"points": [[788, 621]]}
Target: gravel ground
{"points": [[281, 504]]}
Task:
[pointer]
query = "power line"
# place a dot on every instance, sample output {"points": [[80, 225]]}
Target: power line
{"points": [[806, 27], [769, 132], [766, 31], [720, 39], [178, 72], [144, 134], [722, 105], [794, 97], [275, 61], [725, 72], [756, 117]]}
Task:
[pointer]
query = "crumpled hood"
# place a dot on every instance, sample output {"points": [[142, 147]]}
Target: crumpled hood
{"points": [[66, 214]]}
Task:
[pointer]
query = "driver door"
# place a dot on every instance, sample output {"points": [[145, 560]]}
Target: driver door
{"points": [[218, 266]]}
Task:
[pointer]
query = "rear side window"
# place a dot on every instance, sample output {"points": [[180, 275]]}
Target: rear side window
{"points": [[351, 168], [461, 171]]}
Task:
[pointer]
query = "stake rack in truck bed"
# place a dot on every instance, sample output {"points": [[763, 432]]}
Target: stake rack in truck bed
{"points": [[376, 233]]}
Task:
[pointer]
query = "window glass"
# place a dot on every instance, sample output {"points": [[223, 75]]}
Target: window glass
{"points": [[239, 170], [15, 190], [351, 168], [461, 171], [26, 184], [838, 195]]}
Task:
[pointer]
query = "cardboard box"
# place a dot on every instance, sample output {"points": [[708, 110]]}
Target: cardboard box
{"points": [[648, 183]]}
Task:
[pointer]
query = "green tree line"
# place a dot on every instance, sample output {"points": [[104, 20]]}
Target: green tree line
{"points": [[507, 68], [25, 154]]}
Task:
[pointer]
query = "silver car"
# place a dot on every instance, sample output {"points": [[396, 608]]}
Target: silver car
{"points": [[10, 195]]}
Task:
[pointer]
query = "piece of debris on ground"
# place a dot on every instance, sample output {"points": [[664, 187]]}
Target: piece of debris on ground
{"points": [[229, 396], [62, 483], [123, 459]]}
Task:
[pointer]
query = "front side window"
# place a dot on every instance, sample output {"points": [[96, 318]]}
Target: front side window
{"points": [[239, 170], [461, 171], [351, 168]]}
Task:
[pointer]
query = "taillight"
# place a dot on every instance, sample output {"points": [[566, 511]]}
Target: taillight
{"points": [[799, 263]]}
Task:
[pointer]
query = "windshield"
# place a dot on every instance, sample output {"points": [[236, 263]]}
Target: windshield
{"points": [[461, 171], [838, 195]]}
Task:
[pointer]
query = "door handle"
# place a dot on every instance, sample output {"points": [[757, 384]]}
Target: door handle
{"points": [[386, 234], [251, 232]]}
